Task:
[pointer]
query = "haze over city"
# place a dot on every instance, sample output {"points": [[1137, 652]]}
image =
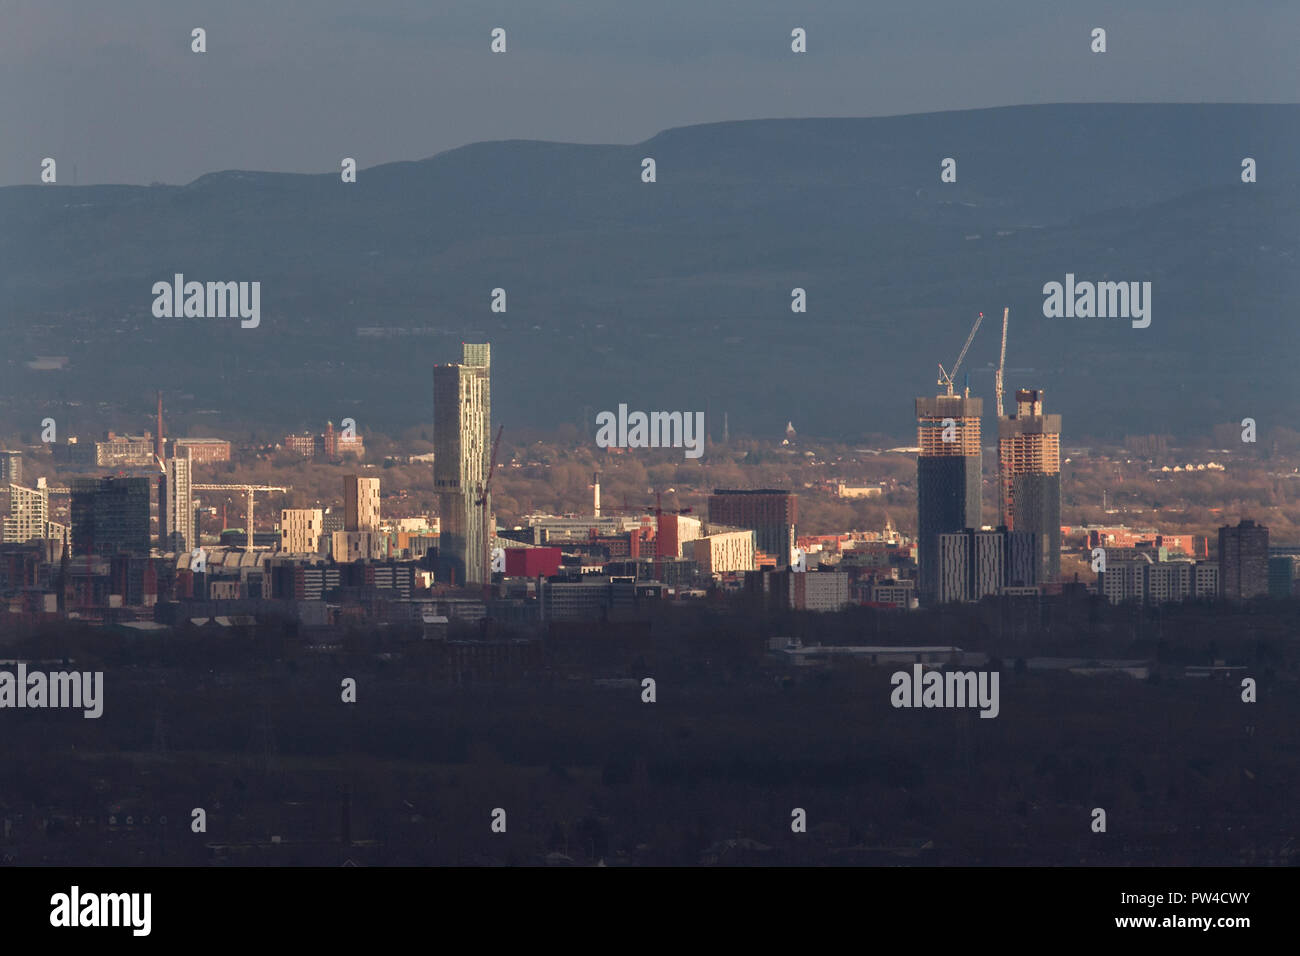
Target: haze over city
{"points": [[699, 434]]}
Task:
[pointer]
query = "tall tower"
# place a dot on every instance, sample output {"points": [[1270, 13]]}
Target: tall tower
{"points": [[177, 513], [360, 503], [1029, 476], [462, 427], [159, 443], [948, 478]]}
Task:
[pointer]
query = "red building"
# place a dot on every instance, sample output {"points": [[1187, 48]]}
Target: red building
{"points": [[532, 562]]}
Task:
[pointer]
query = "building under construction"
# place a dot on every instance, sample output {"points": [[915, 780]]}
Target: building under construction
{"points": [[1029, 476], [948, 478]]}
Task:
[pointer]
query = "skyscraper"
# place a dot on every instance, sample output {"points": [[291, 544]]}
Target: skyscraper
{"points": [[948, 480], [1029, 476], [1243, 561], [110, 516], [462, 425], [176, 529]]}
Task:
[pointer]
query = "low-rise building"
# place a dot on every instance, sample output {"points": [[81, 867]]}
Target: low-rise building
{"points": [[201, 451], [725, 551]]}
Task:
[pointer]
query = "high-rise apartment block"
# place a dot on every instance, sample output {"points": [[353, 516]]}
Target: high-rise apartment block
{"points": [[462, 425], [1243, 561], [360, 537], [177, 530], [975, 564], [110, 516], [360, 503], [770, 513], [948, 478], [29, 513], [1029, 476]]}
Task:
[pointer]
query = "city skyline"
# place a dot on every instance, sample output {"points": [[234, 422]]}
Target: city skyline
{"points": [[445, 435]]}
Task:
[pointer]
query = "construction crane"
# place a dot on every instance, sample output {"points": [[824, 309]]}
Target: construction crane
{"points": [[248, 490], [484, 491], [1002, 361], [945, 378]]}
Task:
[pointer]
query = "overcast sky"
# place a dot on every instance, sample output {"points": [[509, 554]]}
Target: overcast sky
{"points": [[113, 89]]}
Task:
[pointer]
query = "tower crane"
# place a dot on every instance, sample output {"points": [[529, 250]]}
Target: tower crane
{"points": [[247, 490], [945, 377], [1002, 361]]}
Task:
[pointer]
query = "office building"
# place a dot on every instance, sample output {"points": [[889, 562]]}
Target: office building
{"points": [[1243, 561], [818, 590], [948, 479], [770, 513], [110, 516], [725, 551], [1029, 476], [792, 590], [462, 425], [975, 564]]}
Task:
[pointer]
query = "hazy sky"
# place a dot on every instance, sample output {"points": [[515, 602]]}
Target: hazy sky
{"points": [[113, 88]]}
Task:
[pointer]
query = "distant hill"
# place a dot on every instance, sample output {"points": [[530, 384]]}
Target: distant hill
{"points": [[676, 294]]}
